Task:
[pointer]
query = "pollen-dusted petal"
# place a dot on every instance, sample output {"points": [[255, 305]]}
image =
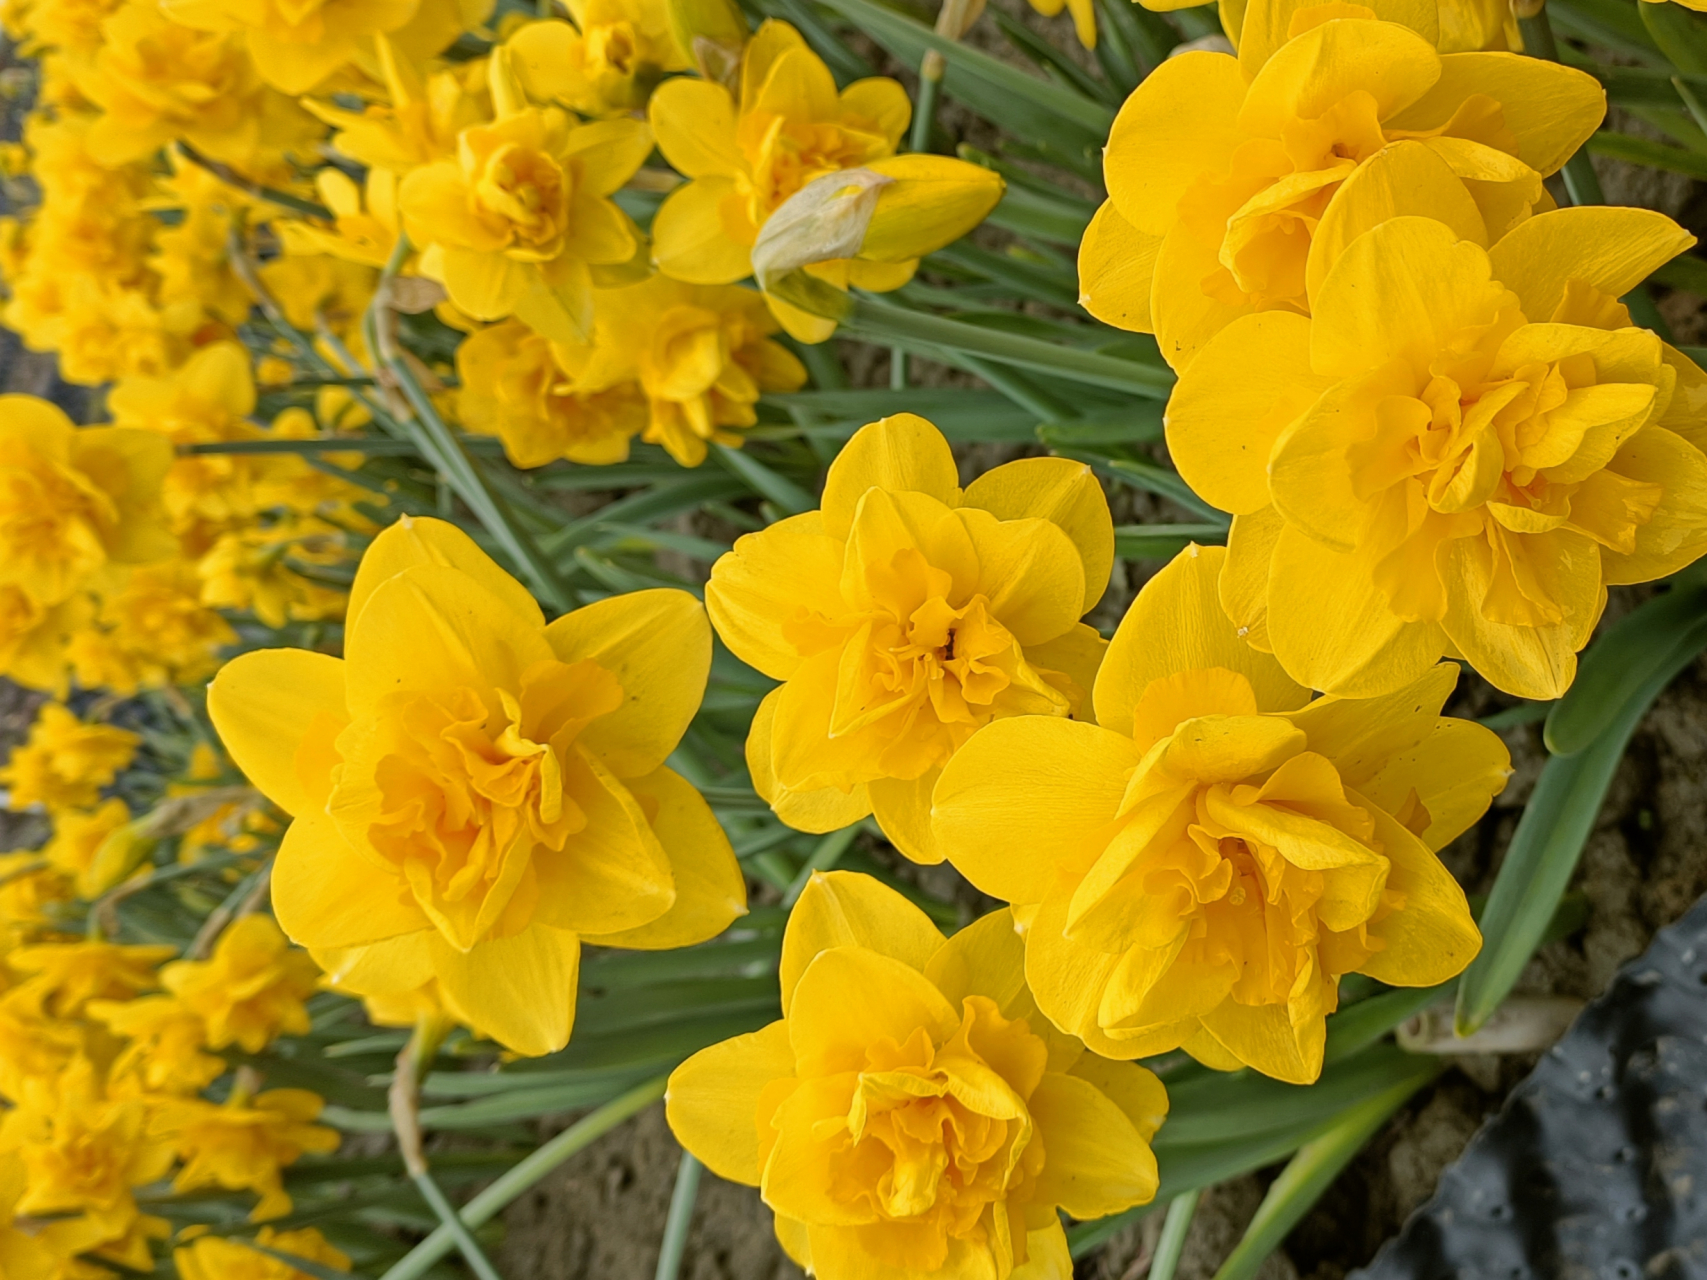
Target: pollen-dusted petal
{"points": [[691, 233], [1552, 109], [1431, 284], [433, 628], [1243, 586], [414, 540], [1264, 1037], [849, 998], [1065, 493], [1180, 123], [1676, 534], [1186, 317], [1096, 1162], [694, 121], [266, 706], [1332, 631], [844, 909], [712, 1103], [1246, 386], [1028, 798], [1134, 1089], [657, 644], [614, 873], [1404, 177], [817, 810], [900, 453], [1314, 71], [1176, 625], [1363, 735], [788, 571], [1429, 936], [521, 988], [711, 892], [1031, 573], [328, 894], [902, 807], [1117, 263]]}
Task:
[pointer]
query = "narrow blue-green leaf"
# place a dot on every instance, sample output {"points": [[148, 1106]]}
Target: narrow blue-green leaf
{"points": [[1549, 839], [1645, 151], [764, 481], [308, 1267], [1153, 479], [973, 76], [679, 1218], [1307, 1176], [1175, 1228], [1622, 659], [1608, 23], [1164, 541], [1680, 34], [825, 854]]}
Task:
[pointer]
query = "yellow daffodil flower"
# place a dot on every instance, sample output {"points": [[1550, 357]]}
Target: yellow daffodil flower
{"points": [[1198, 868], [904, 615], [250, 569], [250, 990], [65, 761], [78, 835], [422, 120], [62, 977], [475, 792], [1083, 13], [363, 230], [156, 81], [217, 1258], [22, 1252], [607, 63], [243, 1143], [164, 1054], [514, 388], [912, 1114], [83, 1154], [1468, 26], [514, 225], [1234, 183], [702, 355], [745, 156], [149, 629], [296, 45], [73, 500], [1458, 454]]}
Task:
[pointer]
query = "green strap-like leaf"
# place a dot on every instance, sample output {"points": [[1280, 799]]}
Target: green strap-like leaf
{"points": [[1680, 34]]}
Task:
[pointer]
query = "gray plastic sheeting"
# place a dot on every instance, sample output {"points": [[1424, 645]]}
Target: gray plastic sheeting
{"points": [[1596, 1167]]}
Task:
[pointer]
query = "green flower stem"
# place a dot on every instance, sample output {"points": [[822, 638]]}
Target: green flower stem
{"points": [[226, 174], [892, 325], [1175, 1228], [1304, 1179], [441, 447], [485, 1206], [1581, 181], [680, 1218], [472, 1253]]}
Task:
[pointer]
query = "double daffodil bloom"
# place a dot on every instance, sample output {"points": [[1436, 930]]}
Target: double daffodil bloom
{"points": [[1198, 868], [421, 119], [912, 1115], [295, 44], [1457, 455], [744, 157], [702, 355], [475, 792], [1234, 183], [516, 223], [905, 614], [607, 63]]}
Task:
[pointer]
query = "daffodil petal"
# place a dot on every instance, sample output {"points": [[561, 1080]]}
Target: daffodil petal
{"points": [[1065, 493], [844, 909], [267, 706], [712, 1103], [521, 988], [900, 453]]}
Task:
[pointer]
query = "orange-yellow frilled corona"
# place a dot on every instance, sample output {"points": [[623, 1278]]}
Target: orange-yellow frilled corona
{"points": [[475, 792], [1198, 868], [905, 614], [515, 224], [1235, 183], [912, 1115], [1457, 455]]}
